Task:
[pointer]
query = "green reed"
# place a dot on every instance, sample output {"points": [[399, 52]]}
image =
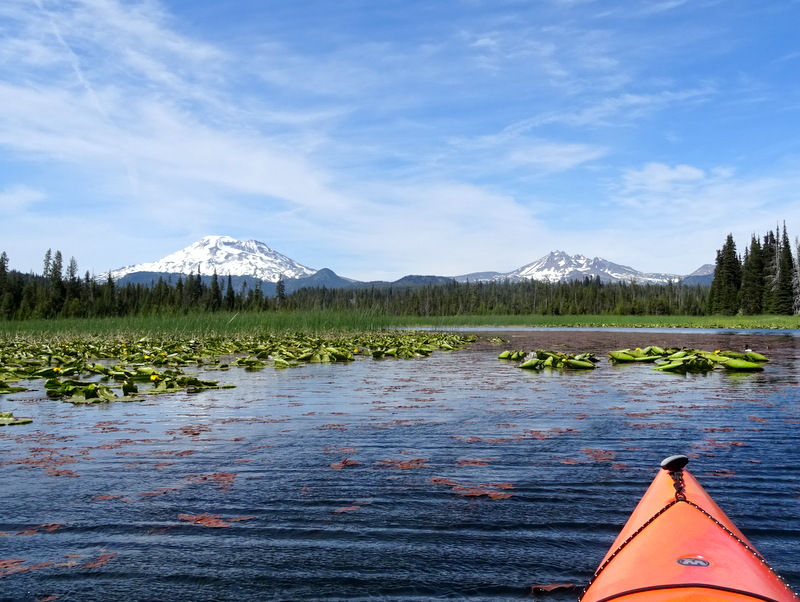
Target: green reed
{"points": [[323, 322]]}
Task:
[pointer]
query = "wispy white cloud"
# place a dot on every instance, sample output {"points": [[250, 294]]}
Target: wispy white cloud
{"points": [[690, 210], [72, 59], [614, 110], [17, 198], [555, 157], [572, 3], [661, 6], [660, 178], [787, 57], [443, 228]]}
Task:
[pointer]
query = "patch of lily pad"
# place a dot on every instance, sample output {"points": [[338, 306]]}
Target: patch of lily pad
{"points": [[102, 371], [541, 358], [684, 360], [8, 419], [672, 359], [6, 388]]}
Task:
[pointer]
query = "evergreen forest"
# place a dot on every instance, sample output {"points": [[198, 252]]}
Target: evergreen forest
{"points": [[764, 280]]}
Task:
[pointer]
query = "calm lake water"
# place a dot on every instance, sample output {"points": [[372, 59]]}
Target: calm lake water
{"points": [[456, 476]]}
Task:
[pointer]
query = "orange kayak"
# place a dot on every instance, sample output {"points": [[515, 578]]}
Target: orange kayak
{"points": [[679, 546]]}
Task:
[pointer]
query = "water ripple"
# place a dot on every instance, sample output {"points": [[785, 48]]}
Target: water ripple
{"points": [[451, 477]]}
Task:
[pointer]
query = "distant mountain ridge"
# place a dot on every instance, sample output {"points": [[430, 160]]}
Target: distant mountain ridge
{"points": [[558, 266], [248, 262], [704, 275], [224, 256]]}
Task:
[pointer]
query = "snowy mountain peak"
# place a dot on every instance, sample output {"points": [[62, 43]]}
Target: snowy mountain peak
{"points": [[225, 256], [558, 266]]}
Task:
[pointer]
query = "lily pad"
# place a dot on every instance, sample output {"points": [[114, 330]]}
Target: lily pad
{"points": [[7, 419]]}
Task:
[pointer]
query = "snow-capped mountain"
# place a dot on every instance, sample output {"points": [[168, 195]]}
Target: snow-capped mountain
{"points": [[225, 256], [252, 260], [558, 266]]}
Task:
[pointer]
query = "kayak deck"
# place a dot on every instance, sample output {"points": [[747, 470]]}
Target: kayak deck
{"points": [[678, 545]]}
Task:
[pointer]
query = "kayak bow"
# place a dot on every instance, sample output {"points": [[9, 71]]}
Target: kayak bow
{"points": [[678, 545]]}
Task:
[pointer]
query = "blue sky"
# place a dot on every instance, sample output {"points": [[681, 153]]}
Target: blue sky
{"points": [[381, 138]]}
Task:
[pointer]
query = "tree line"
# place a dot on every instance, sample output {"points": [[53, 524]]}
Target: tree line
{"points": [[578, 297], [60, 293], [765, 280]]}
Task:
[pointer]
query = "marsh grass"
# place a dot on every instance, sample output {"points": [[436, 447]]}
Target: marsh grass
{"points": [[204, 325], [609, 321], [200, 325]]}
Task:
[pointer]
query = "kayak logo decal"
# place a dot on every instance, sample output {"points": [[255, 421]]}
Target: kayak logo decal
{"points": [[693, 562]]}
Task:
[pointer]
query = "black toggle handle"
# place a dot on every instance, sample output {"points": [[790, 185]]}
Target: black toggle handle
{"points": [[675, 463]]}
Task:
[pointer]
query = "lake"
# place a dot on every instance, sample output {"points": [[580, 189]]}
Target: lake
{"points": [[455, 476]]}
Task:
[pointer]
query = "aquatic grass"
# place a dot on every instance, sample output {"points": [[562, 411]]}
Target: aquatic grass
{"points": [[328, 322], [608, 321], [200, 325]]}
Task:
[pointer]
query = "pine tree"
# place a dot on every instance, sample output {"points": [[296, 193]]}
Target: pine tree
{"points": [[3, 272], [48, 258], [784, 294], [214, 294], [796, 278], [72, 269], [230, 295], [752, 292], [727, 280], [770, 255], [107, 299], [280, 293], [55, 289], [6, 296]]}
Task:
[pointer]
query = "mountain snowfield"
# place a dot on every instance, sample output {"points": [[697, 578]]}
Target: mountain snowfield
{"points": [[225, 256], [558, 266]]}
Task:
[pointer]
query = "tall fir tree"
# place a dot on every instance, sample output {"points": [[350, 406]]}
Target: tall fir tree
{"points": [[770, 255], [7, 305], [796, 278], [783, 285], [214, 294], [48, 259], [229, 301], [3, 272], [751, 295], [727, 280], [280, 293]]}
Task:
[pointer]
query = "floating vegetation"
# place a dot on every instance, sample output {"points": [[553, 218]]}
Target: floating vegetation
{"points": [[212, 520], [7, 419], [539, 359], [513, 355], [648, 354], [672, 359], [84, 372], [76, 391], [494, 491], [683, 360], [6, 388]]}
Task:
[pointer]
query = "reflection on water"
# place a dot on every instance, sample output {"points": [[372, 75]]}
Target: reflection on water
{"points": [[454, 476]]}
